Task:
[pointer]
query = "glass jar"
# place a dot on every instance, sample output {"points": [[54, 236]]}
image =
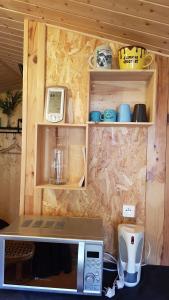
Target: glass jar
{"points": [[59, 162]]}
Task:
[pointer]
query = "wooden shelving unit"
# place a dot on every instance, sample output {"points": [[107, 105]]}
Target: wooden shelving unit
{"points": [[76, 137], [110, 88]]}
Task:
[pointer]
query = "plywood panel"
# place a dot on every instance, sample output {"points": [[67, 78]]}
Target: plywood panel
{"points": [[156, 170], [114, 176], [117, 170], [67, 64]]}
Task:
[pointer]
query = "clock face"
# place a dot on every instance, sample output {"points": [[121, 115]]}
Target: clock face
{"points": [[54, 102]]}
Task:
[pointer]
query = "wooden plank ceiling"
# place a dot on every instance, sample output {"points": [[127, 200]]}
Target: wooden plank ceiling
{"points": [[138, 22]]}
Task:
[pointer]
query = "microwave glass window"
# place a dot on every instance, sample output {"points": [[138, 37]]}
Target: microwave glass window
{"points": [[54, 102], [51, 265], [92, 254]]}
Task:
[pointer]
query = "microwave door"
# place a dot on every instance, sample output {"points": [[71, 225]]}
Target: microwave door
{"points": [[80, 267], [53, 266]]}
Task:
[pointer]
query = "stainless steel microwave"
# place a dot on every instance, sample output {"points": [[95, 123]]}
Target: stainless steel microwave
{"points": [[52, 254]]}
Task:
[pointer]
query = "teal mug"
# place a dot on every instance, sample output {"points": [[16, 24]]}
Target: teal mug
{"points": [[109, 115], [95, 116]]}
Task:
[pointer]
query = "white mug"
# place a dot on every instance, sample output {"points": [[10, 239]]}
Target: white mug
{"points": [[101, 58]]}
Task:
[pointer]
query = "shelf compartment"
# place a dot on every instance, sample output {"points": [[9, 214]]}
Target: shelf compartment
{"points": [[76, 137], [121, 75], [110, 88]]}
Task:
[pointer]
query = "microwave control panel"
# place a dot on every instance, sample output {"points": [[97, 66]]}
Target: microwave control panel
{"points": [[93, 268]]}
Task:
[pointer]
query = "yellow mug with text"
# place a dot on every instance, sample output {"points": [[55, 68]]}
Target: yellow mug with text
{"points": [[134, 58]]}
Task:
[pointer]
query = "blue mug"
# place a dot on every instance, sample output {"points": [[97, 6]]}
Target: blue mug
{"points": [[109, 115], [124, 113], [95, 116]]}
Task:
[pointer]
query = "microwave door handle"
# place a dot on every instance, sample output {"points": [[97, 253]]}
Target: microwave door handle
{"points": [[80, 266]]}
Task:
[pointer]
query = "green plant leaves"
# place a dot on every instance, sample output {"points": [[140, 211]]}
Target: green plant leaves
{"points": [[10, 102]]}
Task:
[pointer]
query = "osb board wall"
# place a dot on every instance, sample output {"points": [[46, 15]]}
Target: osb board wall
{"points": [[10, 166], [115, 177], [117, 156]]}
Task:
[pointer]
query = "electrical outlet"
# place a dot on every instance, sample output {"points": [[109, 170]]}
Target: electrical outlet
{"points": [[128, 211]]}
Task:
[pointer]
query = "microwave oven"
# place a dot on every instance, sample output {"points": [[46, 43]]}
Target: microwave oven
{"points": [[52, 254]]}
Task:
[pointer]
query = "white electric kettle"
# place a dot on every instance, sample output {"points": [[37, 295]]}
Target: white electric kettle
{"points": [[130, 241]]}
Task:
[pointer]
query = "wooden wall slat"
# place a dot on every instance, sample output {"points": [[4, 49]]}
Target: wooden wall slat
{"points": [[142, 9], [103, 16], [6, 36], [38, 193], [11, 31], [165, 252], [8, 52], [12, 24], [13, 44], [34, 97], [156, 161], [158, 2], [85, 23], [29, 115], [24, 118]]}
